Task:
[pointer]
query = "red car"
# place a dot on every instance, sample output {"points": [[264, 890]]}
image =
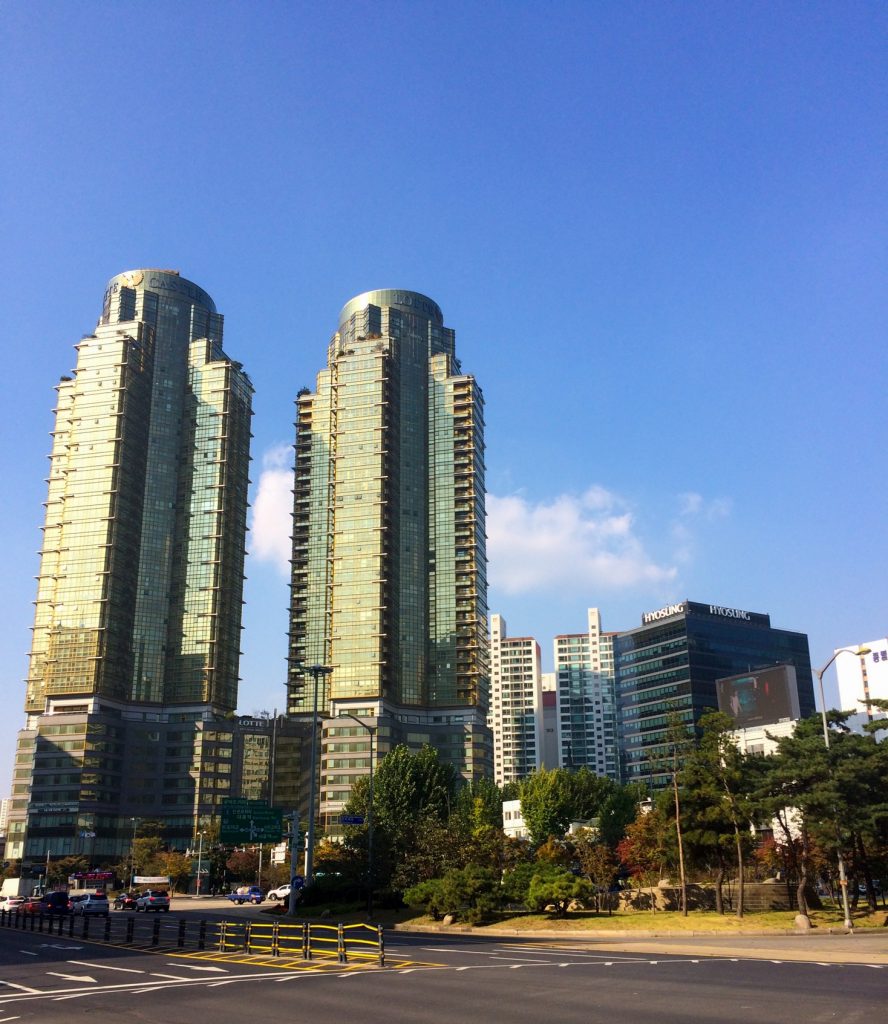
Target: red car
{"points": [[51, 903]]}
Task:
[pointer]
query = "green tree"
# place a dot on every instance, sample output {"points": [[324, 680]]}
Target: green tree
{"points": [[244, 865], [644, 850], [839, 792], [437, 846], [61, 870], [547, 803], [146, 855], [472, 894], [479, 803], [516, 881], [596, 861], [410, 791], [588, 794], [557, 887], [407, 788], [617, 810], [715, 796], [178, 867]]}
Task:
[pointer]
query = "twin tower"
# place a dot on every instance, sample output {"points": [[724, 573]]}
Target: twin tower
{"points": [[134, 661]]}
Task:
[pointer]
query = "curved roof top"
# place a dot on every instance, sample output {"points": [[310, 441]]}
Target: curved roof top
{"points": [[410, 302]]}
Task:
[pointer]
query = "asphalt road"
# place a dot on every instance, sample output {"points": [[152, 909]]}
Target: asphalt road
{"points": [[428, 978]]}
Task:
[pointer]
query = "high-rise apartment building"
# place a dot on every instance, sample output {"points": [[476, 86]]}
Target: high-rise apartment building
{"points": [[136, 636], [550, 748], [516, 703], [389, 582], [587, 709], [667, 668]]}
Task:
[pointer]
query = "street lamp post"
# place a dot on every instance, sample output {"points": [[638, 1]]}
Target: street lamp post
{"points": [[135, 821], [316, 671], [199, 862], [371, 730], [843, 879]]}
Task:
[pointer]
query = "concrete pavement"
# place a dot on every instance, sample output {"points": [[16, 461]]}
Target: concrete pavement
{"points": [[865, 946]]}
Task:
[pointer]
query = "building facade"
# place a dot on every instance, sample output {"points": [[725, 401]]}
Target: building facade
{"points": [[389, 584], [587, 707], [136, 635], [550, 751], [666, 670], [861, 679], [516, 704]]}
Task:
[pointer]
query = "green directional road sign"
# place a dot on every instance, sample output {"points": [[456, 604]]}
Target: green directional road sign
{"points": [[250, 821]]}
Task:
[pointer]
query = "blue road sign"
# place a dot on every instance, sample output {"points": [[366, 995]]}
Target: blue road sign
{"points": [[297, 882], [351, 819]]}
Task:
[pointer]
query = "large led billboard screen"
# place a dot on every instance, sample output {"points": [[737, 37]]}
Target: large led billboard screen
{"points": [[762, 697]]}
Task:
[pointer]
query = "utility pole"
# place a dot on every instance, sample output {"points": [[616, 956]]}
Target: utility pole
{"points": [[294, 856], [315, 671]]}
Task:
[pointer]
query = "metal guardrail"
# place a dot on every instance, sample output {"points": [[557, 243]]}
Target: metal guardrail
{"points": [[305, 940]]}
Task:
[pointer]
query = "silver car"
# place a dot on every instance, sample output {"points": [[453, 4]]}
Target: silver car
{"points": [[91, 904], [153, 899]]}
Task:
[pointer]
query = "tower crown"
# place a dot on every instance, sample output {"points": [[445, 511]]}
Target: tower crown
{"points": [[157, 280], [409, 302]]}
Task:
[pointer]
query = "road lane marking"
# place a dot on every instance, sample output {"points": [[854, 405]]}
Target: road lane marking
{"points": [[73, 977], [106, 967], [197, 967], [22, 988], [28, 952], [523, 959]]}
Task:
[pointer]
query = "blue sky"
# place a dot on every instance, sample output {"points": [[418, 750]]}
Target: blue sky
{"points": [[659, 230]]}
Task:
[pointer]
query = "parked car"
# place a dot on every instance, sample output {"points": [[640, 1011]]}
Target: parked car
{"points": [[125, 900], [10, 903], [153, 899], [50, 904], [89, 904], [246, 894], [282, 892]]}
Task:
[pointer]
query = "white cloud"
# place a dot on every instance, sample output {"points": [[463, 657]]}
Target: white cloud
{"points": [[272, 508], [568, 543], [694, 509], [691, 505]]}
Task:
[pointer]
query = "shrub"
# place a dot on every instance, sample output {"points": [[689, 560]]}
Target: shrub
{"points": [[428, 896], [556, 887], [471, 893]]}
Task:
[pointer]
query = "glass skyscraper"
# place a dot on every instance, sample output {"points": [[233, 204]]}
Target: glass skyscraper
{"points": [[666, 671], [389, 586], [137, 627]]}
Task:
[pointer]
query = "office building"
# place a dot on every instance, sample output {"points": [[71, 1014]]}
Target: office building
{"points": [[516, 705], [667, 670], [389, 583], [271, 760], [861, 679], [136, 640], [587, 710]]}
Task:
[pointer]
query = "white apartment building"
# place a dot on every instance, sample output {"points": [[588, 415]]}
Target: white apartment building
{"points": [[762, 739], [863, 678], [587, 706], [515, 714]]}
